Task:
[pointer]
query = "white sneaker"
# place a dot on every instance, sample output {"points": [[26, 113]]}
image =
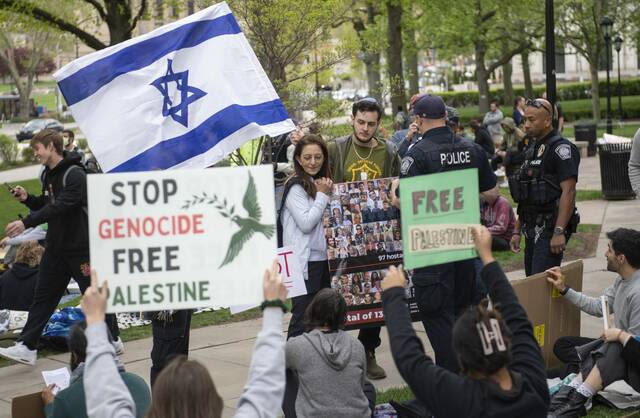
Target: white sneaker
{"points": [[119, 346], [20, 353]]}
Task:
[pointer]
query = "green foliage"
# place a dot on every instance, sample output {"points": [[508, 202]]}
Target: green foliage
{"points": [[8, 149], [28, 155], [568, 91], [11, 207], [82, 144]]}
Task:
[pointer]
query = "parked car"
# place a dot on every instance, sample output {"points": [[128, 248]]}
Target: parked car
{"points": [[36, 125]]}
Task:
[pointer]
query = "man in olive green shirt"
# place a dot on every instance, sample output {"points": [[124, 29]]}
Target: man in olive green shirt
{"points": [[363, 156]]}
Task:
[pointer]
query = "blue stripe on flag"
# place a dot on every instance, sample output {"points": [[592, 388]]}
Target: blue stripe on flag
{"points": [[208, 134], [86, 81]]}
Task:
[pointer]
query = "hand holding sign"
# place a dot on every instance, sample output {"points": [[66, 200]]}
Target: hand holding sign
{"points": [[482, 239], [94, 300], [554, 276], [274, 288], [394, 278]]}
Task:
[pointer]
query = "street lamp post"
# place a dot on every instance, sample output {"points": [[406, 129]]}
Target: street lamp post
{"points": [[618, 45], [606, 25]]}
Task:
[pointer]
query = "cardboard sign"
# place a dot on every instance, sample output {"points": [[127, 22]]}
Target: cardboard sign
{"points": [[291, 272], [438, 211], [27, 406], [551, 317], [181, 239]]}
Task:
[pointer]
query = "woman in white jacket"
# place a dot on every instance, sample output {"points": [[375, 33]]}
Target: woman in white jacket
{"points": [[305, 199]]}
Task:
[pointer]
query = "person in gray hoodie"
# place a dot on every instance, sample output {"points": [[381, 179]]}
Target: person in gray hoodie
{"points": [[634, 164], [601, 363], [108, 397], [330, 364]]}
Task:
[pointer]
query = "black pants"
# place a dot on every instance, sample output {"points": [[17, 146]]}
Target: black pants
{"points": [[170, 338], [442, 293], [537, 253], [370, 338], [565, 351], [499, 244], [318, 279], [54, 276]]}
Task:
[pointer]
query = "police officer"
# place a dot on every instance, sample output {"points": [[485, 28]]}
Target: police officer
{"points": [[545, 190], [443, 290]]}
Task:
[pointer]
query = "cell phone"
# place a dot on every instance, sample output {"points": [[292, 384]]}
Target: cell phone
{"points": [[8, 186]]}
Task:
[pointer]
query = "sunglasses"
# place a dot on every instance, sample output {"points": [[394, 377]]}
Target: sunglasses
{"points": [[537, 103]]}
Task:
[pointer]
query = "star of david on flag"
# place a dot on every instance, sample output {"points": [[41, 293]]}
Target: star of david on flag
{"points": [[184, 95]]}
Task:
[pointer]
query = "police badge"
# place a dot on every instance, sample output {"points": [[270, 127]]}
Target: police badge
{"points": [[564, 151]]}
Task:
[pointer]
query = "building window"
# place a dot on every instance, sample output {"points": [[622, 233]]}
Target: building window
{"points": [[560, 57]]}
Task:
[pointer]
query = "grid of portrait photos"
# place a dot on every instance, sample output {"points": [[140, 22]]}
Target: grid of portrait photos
{"points": [[362, 227]]}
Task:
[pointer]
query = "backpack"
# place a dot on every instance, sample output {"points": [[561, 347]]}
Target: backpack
{"points": [[287, 187], [56, 332], [91, 166]]}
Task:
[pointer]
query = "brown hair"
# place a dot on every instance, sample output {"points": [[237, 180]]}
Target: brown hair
{"points": [[184, 389], [46, 137], [29, 253], [327, 309], [301, 175]]}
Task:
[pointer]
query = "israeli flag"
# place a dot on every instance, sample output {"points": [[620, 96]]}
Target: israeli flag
{"points": [[184, 95]]}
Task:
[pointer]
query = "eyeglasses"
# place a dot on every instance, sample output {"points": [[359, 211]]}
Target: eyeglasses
{"points": [[537, 103]]}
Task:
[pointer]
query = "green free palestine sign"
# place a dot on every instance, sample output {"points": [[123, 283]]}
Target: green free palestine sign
{"points": [[437, 212]]}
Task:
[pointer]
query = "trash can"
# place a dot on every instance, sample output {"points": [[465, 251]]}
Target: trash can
{"points": [[587, 131], [614, 171]]}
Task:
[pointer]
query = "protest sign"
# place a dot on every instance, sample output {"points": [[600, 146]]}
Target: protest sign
{"points": [[362, 229], [180, 239], [291, 273], [438, 211]]}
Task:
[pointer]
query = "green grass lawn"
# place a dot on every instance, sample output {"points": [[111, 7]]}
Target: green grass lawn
{"points": [[404, 394]]}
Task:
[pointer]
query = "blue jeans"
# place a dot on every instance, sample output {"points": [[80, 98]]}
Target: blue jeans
{"points": [[537, 254]]}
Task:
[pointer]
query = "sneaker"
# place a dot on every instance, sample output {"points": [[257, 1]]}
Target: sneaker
{"points": [[20, 353], [374, 371], [575, 406], [119, 346], [561, 397]]}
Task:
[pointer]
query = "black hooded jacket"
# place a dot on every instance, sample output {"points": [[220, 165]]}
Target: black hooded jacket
{"points": [[17, 286], [62, 207]]}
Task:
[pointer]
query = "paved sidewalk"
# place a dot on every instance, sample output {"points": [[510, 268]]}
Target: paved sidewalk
{"points": [[226, 349]]}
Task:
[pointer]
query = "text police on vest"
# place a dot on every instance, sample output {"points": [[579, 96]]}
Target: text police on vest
{"points": [[455, 158]]}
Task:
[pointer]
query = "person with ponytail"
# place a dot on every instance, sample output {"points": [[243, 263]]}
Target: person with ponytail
{"points": [[502, 372]]}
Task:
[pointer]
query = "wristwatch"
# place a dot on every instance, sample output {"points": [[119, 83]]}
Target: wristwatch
{"points": [[566, 289], [558, 230]]}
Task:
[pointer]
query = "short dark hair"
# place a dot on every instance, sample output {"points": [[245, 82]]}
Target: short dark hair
{"points": [[475, 124], [70, 133], [626, 241], [46, 137], [327, 309], [468, 345], [494, 101], [517, 100], [368, 104], [77, 342]]}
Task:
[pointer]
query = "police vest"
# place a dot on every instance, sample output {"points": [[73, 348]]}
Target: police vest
{"points": [[531, 186], [457, 154]]}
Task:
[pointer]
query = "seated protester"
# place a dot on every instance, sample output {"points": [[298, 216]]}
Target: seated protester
{"points": [[184, 388], [502, 367], [17, 285], [38, 233], [498, 216], [330, 363], [70, 402], [483, 137], [599, 362], [623, 297]]}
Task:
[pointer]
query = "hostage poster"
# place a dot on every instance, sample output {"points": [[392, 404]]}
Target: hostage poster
{"points": [[182, 239], [363, 234]]}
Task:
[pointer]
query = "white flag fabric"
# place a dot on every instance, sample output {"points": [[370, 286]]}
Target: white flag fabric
{"points": [[183, 95]]}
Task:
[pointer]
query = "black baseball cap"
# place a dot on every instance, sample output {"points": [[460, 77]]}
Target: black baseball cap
{"points": [[430, 107]]}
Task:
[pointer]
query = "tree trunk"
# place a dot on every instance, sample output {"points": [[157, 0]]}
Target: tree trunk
{"points": [[374, 82], [24, 91], [526, 73], [595, 93], [394, 55], [118, 21], [411, 61], [509, 96], [483, 81]]}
